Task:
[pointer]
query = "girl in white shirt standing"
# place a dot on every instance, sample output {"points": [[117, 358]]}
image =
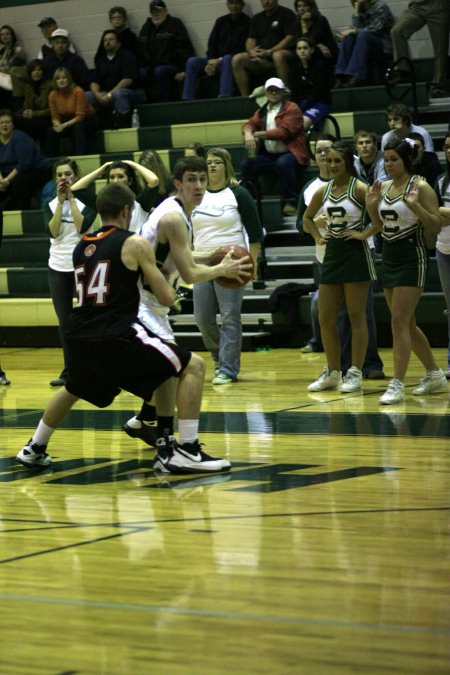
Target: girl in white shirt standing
{"points": [[67, 218], [227, 215]]}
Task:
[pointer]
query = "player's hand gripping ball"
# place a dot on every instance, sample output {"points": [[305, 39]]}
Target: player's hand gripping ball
{"points": [[238, 253]]}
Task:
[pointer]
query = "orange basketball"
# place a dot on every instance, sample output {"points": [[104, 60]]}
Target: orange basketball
{"points": [[238, 252]]}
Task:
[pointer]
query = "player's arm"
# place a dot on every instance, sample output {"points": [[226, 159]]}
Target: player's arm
{"points": [[172, 228], [137, 253]]}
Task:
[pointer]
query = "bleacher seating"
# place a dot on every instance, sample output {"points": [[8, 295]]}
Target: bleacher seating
{"points": [[26, 311]]}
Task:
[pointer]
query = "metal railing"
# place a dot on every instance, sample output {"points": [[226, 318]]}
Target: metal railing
{"points": [[407, 74], [326, 125]]}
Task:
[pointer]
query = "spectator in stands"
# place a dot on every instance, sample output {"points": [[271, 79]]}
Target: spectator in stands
{"points": [[401, 209], [443, 239], [48, 25], [113, 85], [369, 167], [313, 77], [226, 216], [165, 48], [347, 269], [425, 164], [276, 137], [368, 40], [435, 15], [34, 118], [268, 48], [195, 149], [72, 115], [369, 163], [13, 72], [128, 173], [67, 218], [315, 26], [321, 150], [23, 169], [227, 38], [61, 56], [151, 159], [399, 119], [129, 40]]}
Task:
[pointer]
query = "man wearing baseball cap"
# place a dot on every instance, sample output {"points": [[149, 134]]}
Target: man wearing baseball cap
{"points": [[275, 138], [47, 25], [60, 56], [165, 47]]}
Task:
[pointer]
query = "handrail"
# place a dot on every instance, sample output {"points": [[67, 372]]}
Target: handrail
{"points": [[319, 128], [392, 72]]}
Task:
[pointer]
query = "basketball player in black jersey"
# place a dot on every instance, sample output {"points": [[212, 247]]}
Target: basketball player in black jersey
{"points": [[109, 349]]}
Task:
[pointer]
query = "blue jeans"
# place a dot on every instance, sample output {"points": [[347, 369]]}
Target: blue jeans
{"points": [[355, 52], [224, 343], [316, 340], [122, 100], [163, 79], [284, 165], [195, 68], [443, 262], [62, 288]]}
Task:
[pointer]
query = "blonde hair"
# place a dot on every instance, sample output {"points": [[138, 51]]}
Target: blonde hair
{"points": [[224, 155], [152, 160], [62, 71]]}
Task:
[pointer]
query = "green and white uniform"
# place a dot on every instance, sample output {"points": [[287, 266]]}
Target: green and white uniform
{"points": [[346, 260], [405, 255]]}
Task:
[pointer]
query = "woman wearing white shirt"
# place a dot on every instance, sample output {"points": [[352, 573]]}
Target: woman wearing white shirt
{"points": [[227, 215], [67, 218], [129, 173]]}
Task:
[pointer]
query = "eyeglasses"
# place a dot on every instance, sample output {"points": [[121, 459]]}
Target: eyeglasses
{"points": [[214, 162]]}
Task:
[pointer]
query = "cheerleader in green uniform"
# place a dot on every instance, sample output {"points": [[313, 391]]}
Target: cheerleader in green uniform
{"points": [[347, 268], [401, 208]]}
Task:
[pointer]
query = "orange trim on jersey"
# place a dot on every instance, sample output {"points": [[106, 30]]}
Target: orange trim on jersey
{"points": [[101, 235]]}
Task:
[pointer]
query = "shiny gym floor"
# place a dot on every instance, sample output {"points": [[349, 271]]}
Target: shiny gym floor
{"points": [[325, 549]]}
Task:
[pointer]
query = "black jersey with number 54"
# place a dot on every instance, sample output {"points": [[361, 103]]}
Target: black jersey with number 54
{"points": [[107, 291]]}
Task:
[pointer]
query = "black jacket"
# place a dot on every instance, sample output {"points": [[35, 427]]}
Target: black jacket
{"points": [[228, 36], [166, 45], [313, 83]]}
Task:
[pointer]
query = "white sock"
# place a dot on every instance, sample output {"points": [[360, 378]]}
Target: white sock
{"points": [[187, 431], [42, 434]]}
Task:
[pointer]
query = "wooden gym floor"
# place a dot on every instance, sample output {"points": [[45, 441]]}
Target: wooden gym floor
{"points": [[325, 550]]}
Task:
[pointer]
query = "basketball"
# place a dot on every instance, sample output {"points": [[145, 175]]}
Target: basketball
{"points": [[238, 252]]}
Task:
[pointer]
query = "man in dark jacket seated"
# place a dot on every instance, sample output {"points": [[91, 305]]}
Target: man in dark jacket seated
{"points": [[165, 47]]}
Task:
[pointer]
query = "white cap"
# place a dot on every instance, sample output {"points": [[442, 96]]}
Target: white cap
{"points": [[274, 82], [62, 32]]}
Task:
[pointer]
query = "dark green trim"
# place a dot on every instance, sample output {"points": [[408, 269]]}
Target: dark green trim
{"points": [[205, 110], [155, 137]]}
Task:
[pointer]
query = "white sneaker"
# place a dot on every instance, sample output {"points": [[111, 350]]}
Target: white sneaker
{"points": [[327, 380], [431, 383], [352, 380], [222, 378], [395, 393], [34, 455], [188, 458]]}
